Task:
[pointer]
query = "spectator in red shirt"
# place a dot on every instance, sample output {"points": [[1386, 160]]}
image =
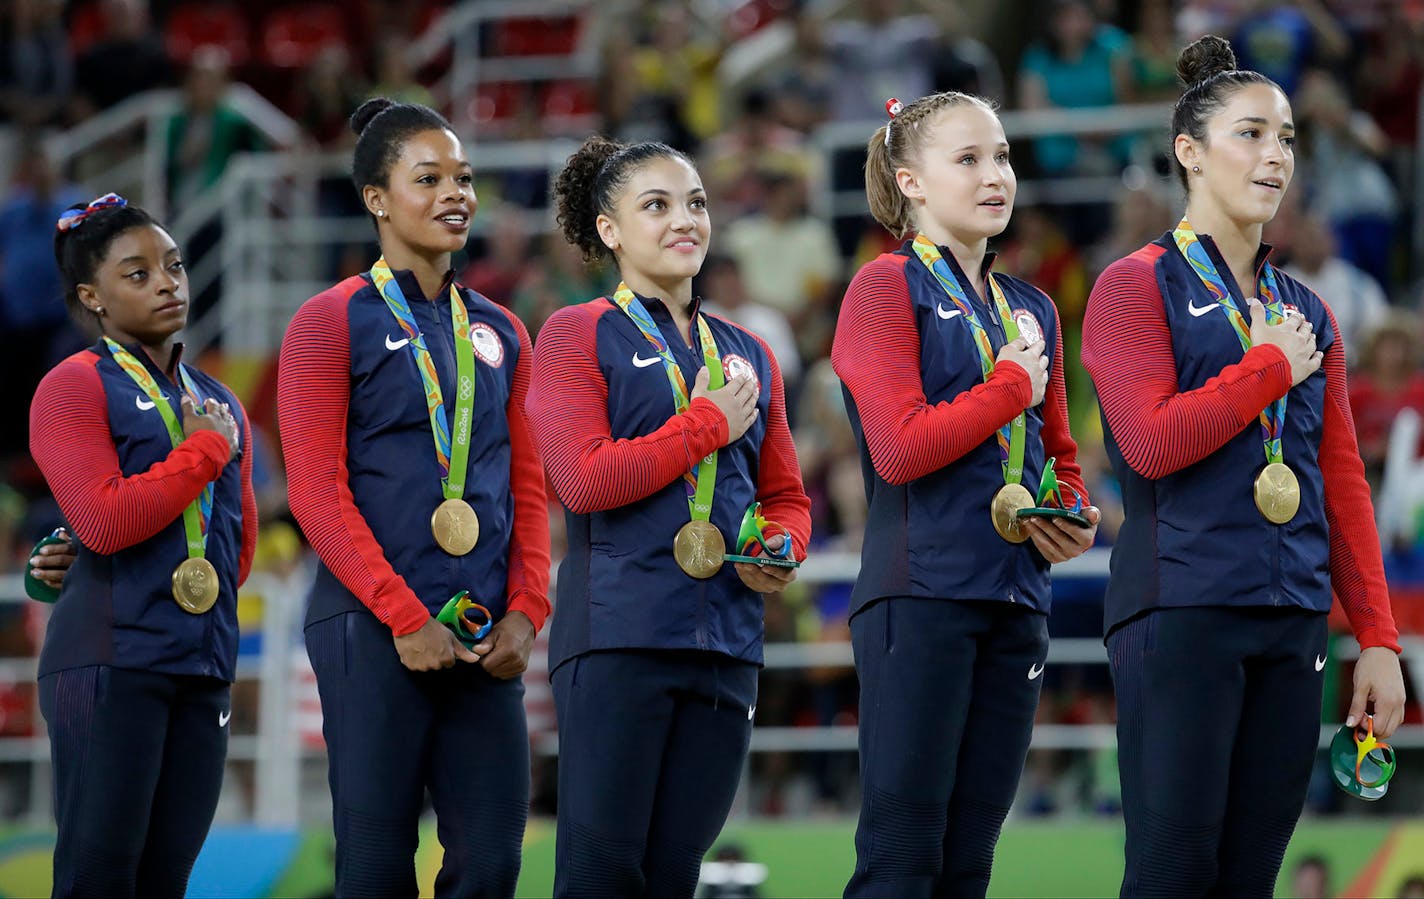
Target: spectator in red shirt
{"points": [[1388, 379]]}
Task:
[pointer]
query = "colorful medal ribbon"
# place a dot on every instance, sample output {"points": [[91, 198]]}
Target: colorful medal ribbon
{"points": [[198, 512], [451, 452], [1273, 417], [701, 480], [1012, 435]]}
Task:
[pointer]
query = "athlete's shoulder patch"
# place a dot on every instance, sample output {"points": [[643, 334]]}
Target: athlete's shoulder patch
{"points": [[488, 346], [735, 366], [1029, 327]]}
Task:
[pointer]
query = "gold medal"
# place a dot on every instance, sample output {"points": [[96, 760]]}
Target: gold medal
{"points": [[1004, 509], [195, 585], [456, 527], [698, 549], [1277, 493]]}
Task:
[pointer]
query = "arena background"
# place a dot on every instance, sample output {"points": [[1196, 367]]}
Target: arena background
{"points": [[228, 118]]}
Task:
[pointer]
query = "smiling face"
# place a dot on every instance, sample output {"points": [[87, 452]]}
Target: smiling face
{"points": [[961, 184], [1248, 158], [659, 228], [142, 287], [429, 200]]}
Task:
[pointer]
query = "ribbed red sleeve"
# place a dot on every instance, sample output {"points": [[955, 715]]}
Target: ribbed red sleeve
{"points": [[1057, 440], [1356, 566], [568, 409], [527, 587], [249, 504], [313, 394], [71, 442], [1127, 348], [783, 498], [876, 354]]}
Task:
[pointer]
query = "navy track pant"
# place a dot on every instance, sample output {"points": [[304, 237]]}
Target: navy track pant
{"points": [[391, 733], [1218, 722], [948, 693], [651, 746], [138, 765]]}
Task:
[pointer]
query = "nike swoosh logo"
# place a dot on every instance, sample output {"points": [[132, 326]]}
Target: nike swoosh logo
{"points": [[396, 344], [644, 363], [946, 313], [1034, 671], [143, 404], [1199, 311], [1320, 663], [223, 716]]}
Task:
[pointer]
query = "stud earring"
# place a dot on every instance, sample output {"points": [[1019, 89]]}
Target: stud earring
{"points": [[98, 310], [1196, 170]]}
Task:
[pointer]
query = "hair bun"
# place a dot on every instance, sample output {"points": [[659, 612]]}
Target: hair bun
{"points": [[368, 111], [1206, 56]]}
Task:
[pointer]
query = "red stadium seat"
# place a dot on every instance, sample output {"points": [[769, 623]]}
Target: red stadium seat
{"points": [[563, 99], [205, 24], [293, 36], [498, 101], [537, 36], [86, 27], [752, 15]]}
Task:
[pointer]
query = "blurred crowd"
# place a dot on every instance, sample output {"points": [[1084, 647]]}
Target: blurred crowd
{"points": [[749, 88]]}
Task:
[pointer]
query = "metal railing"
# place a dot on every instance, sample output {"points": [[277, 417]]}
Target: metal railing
{"points": [[275, 239], [142, 175], [278, 750]]}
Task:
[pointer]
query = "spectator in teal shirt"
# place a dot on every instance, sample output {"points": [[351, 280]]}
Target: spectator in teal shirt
{"points": [[1080, 63]]}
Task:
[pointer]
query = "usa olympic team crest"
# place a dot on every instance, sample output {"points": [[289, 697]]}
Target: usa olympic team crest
{"points": [[734, 366], [488, 346], [1029, 328]]}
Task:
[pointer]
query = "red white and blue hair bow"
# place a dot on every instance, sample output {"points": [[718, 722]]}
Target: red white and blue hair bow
{"points": [[72, 218]]}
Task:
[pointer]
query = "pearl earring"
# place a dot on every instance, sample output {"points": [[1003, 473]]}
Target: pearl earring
{"points": [[98, 310], [1196, 170]]}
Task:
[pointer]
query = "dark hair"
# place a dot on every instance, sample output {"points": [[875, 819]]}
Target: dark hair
{"points": [[899, 143], [590, 181], [382, 127], [79, 251], [1207, 66]]}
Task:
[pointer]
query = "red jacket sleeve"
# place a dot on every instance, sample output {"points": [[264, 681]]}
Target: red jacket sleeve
{"points": [[1058, 442], [876, 354], [1127, 348], [527, 588], [783, 499], [249, 504], [568, 409], [71, 442], [313, 395], [1356, 566]]}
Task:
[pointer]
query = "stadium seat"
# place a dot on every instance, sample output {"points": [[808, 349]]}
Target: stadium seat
{"points": [[498, 101], [86, 27], [292, 37], [536, 36], [205, 24], [566, 99], [752, 15]]}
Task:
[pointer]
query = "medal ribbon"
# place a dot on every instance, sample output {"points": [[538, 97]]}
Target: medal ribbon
{"points": [[1012, 435], [199, 512], [1273, 417], [452, 452], [701, 480]]}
